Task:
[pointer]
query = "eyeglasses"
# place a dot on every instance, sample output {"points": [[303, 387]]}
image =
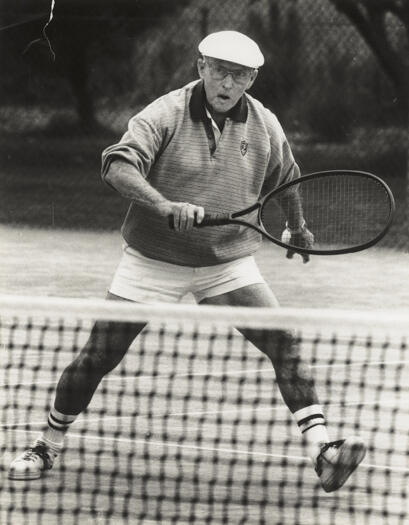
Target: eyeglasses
{"points": [[219, 72]]}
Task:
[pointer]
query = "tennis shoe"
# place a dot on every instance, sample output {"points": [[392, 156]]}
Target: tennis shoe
{"points": [[32, 463], [337, 460]]}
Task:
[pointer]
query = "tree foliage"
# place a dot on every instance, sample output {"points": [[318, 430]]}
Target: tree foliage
{"points": [[370, 17], [81, 30]]}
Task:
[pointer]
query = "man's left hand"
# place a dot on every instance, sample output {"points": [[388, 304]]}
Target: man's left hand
{"points": [[302, 239]]}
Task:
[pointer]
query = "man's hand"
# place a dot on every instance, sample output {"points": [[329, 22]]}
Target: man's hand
{"points": [[123, 177], [182, 216], [302, 239]]}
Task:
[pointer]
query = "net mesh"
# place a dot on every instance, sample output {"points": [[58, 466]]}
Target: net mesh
{"points": [[191, 427]]}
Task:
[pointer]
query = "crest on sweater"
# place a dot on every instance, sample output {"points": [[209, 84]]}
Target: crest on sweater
{"points": [[244, 147]]}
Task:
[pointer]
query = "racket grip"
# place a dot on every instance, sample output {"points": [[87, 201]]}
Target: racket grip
{"points": [[214, 219], [210, 219]]}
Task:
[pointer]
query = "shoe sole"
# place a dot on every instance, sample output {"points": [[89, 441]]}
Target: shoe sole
{"points": [[22, 476], [351, 454]]}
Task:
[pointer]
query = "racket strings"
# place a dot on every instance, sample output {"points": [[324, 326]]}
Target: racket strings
{"points": [[344, 210]]}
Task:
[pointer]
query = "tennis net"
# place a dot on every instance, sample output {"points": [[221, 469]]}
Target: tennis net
{"points": [[191, 427]]}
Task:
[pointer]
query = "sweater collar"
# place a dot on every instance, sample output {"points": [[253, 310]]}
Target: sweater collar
{"points": [[197, 106]]}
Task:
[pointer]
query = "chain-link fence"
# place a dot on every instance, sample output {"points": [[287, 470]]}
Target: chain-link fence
{"points": [[336, 103]]}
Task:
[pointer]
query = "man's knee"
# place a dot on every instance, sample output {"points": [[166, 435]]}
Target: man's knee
{"points": [[278, 345], [101, 353], [110, 340]]}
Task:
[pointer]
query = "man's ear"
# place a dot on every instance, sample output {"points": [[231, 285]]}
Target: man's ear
{"points": [[200, 66], [252, 78]]}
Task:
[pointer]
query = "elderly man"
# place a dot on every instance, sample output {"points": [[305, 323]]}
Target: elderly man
{"points": [[208, 146]]}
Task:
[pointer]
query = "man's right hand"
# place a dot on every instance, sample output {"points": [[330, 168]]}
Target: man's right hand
{"points": [[182, 216]]}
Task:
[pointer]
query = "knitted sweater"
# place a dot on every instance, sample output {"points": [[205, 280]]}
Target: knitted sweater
{"points": [[171, 144]]}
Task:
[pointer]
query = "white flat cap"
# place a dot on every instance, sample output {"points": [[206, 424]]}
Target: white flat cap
{"points": [[233, 47]]}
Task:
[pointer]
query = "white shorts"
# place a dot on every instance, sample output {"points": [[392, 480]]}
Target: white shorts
{"points": [[149, 281]]}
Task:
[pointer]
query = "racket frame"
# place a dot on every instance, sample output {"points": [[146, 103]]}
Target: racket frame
{"points": [[234, 218]]}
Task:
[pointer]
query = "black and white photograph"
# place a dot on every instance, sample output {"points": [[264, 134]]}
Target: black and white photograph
{"points": [[204, 279]]}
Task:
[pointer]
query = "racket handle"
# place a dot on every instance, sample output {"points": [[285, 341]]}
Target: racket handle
{"points": [[210, 219], [214, 219]]}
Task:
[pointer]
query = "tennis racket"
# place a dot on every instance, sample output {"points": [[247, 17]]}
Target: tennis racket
{"points": [[346, 211]]}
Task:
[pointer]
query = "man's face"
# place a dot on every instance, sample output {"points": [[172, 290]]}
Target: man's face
{"points": [[224, 82]]}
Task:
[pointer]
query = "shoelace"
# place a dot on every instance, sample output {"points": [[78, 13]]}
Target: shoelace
{"points": [[320, 458], [38, 451]]}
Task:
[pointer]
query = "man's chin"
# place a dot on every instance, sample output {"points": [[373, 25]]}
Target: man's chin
{"points": [[222, 106]]}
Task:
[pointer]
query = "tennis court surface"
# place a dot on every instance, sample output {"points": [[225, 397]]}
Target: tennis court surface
{"points": [[191, 427]]}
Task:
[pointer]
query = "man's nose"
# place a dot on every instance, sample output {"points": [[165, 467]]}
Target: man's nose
{"points": [[228, 81]]}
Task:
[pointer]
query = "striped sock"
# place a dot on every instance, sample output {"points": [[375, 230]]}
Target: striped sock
{"points": [[58, 425], [311, 422]]}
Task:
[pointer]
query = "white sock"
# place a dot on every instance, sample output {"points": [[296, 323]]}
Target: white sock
{"points": [[53, 448], [311, 422], [58, 425]]}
